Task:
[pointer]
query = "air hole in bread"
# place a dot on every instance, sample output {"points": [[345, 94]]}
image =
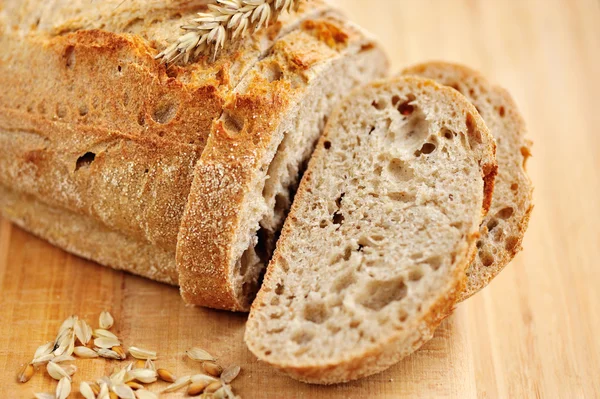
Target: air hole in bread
{"points": [[457, 225], [514, 186], [378, 294], [165, 113], [327, 145], [501, 111], [378, 170], [338, 218], [302, 337], [511, 243], [232, 125], [473, 133], [505, 213], [526, 154], [333, 328], [279, 288], [316, 312], [119, 68], [426, 149], [69, 56], [267, 353], [273, 72], [276, 314], [400, 170], [344, 281], [83, 110], [379, 104], [402, 196], [479, 244], [416, 255], [323, 224], [402, 315], [85, 160], [354, 323], [416, 274], [491, 225], [406, 108], [435, 262], [141, 119], [487, 259], [61, 111], [274, 301], [455, 87], [395, 100], [448, 134]]}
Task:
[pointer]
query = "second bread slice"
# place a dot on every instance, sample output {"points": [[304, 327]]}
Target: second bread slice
{"points": [[374, 251]]}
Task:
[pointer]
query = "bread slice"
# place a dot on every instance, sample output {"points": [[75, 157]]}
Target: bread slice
{"points": [[384, 224], [503, 228], [253, 159]]}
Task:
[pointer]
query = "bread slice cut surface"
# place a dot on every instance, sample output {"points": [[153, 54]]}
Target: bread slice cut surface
{"points": [[503, 228], [383, 226]]}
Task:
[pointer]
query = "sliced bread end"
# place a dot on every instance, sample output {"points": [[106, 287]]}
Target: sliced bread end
{"points": [[384, 224]]}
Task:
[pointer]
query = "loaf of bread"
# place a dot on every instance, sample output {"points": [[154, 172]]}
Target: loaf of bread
{"points": [[374, 252], [503, 228], [179, 173]]}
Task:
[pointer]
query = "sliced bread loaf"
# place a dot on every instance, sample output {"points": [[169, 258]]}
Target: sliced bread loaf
{"points": [[503, 228], [382, 229]]}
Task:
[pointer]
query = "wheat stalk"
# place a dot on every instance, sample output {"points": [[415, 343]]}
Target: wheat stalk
{"points": [[225, 19]]}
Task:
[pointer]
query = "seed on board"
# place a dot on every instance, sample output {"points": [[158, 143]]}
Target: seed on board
{"points": [[230, 374], [200, 355], [42, 359], [70, 369], [106, 320], [134, 385], [103, 394], [108, 354], [63, 389], [118, 377], [213, 386], [143, 394], [203, 377], [102, 333], [179, 383], [140, 364], [57, 372], [123, 391], [145, 376], [120, 351], [106, 342], [166, 375], [43, 350], [86, 390], [95, 388], [219, 393], [212, 368], [197, 388], [84, 352], [26, 373], [43, 395], [83, 331], [150, 365], [142, 354], [113, 395]]}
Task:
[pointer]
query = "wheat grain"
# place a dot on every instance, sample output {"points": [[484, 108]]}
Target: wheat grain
{"points": [[230, 374], [212, 368], [26, 373], [225, 20], [43, 395], [57, 372], [63, 389], [141, 354], [86, 390], [106, 320], [84, 352], [166, 375], [134, 385], [145, 376], [179, 383], [143, 394], [200, 355], [123, 391]]}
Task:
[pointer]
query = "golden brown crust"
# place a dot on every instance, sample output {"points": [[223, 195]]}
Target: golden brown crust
{"points": [[95, 127], [239, 150]]}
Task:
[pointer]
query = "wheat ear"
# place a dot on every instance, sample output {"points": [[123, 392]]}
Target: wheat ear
{"points": [[225, 19]]}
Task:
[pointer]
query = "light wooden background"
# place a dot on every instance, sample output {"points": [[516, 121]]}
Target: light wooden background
{"points": [[535, 332]]}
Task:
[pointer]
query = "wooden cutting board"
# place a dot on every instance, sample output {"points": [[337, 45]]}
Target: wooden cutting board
{"points": [[532, 333]]}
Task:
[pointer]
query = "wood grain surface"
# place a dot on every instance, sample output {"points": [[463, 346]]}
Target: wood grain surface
{"points": [[532, 333]]}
